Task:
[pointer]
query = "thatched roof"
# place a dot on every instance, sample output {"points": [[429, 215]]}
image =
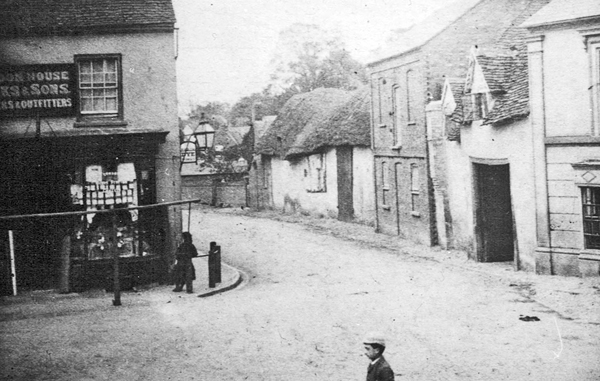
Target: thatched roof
{"points": [[321, 118]]}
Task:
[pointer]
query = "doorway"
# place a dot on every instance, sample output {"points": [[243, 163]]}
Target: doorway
{"points": [[493, 209], [344, 183]]}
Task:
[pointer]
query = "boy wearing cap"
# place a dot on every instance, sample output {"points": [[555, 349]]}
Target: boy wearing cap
{"points": [[379, 369]]}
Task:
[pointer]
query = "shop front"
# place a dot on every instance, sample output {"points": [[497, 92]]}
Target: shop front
{"points": [[92, 174]]}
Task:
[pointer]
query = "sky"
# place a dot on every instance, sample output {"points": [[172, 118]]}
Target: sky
{"points": [[225, 46]]}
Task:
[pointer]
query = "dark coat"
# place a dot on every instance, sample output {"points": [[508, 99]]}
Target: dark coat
{"points": [[184, 268], [381, 371]]}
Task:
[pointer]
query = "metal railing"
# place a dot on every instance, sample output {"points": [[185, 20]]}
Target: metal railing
{"points": [[115, 252]]}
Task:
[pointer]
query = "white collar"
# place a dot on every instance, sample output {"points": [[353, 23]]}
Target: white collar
{"points": [[375, 361]]}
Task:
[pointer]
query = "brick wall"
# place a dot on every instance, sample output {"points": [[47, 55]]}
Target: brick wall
{"points": [[214, 190]]}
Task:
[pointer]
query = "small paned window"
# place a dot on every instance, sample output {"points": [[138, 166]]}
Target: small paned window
{"points": [[590, 197], [99, 86]]}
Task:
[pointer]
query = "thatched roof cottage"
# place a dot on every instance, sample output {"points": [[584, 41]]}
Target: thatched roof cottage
{"points": [[316, 155]]}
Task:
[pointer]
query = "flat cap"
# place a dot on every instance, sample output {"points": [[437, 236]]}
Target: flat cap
{"points": [[374, 338]]}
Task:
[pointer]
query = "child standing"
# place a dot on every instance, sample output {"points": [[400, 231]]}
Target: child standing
{"points": [[184, 268]]}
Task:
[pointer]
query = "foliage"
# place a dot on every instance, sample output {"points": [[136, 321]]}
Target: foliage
{"points": [[309, 57], [216, 112]]}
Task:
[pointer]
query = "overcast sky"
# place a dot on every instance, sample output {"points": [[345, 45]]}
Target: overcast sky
{"points": [[225, 46]]}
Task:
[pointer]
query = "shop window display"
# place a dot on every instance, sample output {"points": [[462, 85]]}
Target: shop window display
{"points": [[101, 188]]}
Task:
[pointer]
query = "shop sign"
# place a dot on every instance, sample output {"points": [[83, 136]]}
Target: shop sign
{"points": [[31, 90], [188, 153]]}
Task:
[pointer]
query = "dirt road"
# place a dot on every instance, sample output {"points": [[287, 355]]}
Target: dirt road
{"points": [[308, 300]]}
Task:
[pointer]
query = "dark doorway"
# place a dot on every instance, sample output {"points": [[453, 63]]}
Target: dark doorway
{"points": [[344, 183], [494, 225], [35, 181]]}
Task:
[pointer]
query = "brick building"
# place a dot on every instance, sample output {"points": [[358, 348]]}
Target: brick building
{"points": [[410, 74], [88, 121]]}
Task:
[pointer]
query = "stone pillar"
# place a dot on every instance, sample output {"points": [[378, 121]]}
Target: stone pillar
{"points": [[543, 253], [168, 188], [435, 142]]}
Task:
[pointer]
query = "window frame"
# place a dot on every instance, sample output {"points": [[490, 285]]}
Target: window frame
{"points": [[411, 101], [381, 82], [593, 219], [591, 40], [415, 188], [316, 174], [116, 115], [594, 52], [397, 115], [385, 185], [480, 106]]}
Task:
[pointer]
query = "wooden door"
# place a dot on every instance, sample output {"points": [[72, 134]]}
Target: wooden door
{"points": [[344, 183], [494, 213]]}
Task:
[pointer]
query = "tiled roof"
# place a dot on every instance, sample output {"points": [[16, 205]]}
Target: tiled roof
{"points": [[506, 71], [514, 103], [41, 17], [457, 86], [496, 71]]}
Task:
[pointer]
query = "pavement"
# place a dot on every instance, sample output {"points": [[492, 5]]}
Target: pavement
{"points": [[49, 303], [570, 297]]}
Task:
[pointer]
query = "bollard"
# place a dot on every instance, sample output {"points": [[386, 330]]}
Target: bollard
{"points": [[212, 256], [218, 263]]}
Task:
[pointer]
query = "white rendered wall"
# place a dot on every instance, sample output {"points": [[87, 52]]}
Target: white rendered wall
{"points": [[512, 142], [566, 84], [363, 187]]}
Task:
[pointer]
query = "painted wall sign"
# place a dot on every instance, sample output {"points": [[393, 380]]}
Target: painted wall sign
{"points": [[45, 90]]}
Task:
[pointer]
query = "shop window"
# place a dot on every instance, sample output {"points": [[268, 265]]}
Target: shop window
{"points": [[315, 165], [415, 188], [590, 197], [103, 187], [385, 185], [99, 86]]}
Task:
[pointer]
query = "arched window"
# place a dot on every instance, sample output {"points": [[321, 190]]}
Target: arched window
{"points": [[411, 99], [385, 184], [397, 117]]}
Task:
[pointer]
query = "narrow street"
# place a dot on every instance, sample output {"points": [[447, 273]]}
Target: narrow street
{"points": [[307, 300]]}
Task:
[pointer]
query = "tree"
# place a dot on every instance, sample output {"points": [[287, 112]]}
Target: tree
{"points": [[215, 112], [258, 105], [309, 57]]}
